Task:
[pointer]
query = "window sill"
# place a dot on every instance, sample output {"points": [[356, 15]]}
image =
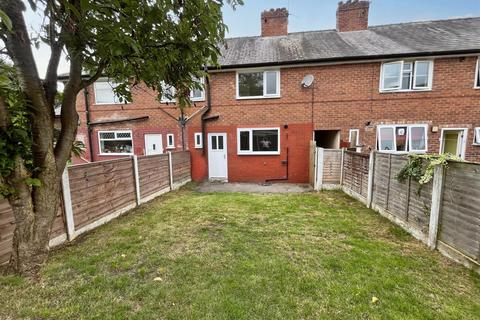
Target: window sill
{"points": [[405, 91], [258, 153], [170, 148], [110, 104], [258, 97], [402, 152], [115, 154], [198, 147], [476, 144], [197, 99]]}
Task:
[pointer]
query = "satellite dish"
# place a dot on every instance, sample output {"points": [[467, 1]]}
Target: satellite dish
{"points": [[308, 81]]}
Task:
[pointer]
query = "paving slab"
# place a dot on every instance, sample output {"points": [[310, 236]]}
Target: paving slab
{"points": [[253, 187]]}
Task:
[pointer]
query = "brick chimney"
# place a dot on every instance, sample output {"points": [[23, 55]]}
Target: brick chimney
{"points": [[352, 15], [275, 22]]}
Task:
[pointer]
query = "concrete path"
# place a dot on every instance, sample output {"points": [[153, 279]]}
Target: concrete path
{"points": [[253, 187]]}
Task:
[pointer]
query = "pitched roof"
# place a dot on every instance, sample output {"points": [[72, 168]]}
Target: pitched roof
{"points": [[405, 39]]}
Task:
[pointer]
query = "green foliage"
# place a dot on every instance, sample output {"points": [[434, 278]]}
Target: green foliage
{"points": [[420, 168], [150, 42], [6, 20], [16, 140]]}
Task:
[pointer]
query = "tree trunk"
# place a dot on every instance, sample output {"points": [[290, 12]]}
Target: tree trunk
{"points": [[34, 212]]}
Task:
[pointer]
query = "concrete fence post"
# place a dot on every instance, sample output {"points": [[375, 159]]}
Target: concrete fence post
{"points": [[67, 205], [371, 173], [319, 168], [170, 169], [437, 191], [137, 179], [342, 166]]}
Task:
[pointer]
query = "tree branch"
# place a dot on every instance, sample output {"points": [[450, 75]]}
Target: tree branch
{"points": [[97, 74], [20, 51], [69, 116]]}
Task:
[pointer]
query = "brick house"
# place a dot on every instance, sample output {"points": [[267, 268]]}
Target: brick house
{"points": [[411, 87]]}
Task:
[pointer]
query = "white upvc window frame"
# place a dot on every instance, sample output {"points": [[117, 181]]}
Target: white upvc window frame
{"points": [[413, 79], [357, 143], [409, 130], [202, 97], [164, 99], [198, 140], [112, 85], [476, 136], [115, 153], [250, 142], [408, 138], [170, 145], [476, 83], [265, 95]]}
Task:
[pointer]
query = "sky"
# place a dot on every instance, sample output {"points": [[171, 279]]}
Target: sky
{"points": [[310, 15]]}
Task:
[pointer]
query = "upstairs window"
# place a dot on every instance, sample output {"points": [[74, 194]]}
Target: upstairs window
{"points": [[258, 84], [258, 141], [406, 76], [168, 93], [477, 75], [402, 138], [115, 142], [198, 94], [104, 93]]}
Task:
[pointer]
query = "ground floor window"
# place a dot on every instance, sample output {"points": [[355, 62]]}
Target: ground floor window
{"points": [[258, 141], [402, 138], [477, 136], [170, 141], [198, 140], [115, 142]]}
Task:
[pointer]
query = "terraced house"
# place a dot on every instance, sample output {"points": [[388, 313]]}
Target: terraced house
{"points": [[400, 88]]}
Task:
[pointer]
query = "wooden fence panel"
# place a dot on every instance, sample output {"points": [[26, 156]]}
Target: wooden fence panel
{"points": [[381, 178], [181, 166], [153, 174], [332, 166], [101, 188], [398, 191], [420, 201], [355, 172], [6, 230], [460, 209]]}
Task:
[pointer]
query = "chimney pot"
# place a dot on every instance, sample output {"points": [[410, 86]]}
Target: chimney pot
{"points": [[274, 22], [352, 15]]}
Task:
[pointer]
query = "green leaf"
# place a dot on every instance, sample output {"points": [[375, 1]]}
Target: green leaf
{"points": [[33, 182], [6, 20]]}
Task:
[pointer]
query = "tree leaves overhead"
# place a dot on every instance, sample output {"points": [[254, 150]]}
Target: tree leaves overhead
{"points": [[146, 41]]}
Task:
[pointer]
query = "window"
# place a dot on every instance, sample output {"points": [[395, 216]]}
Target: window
{"points": [[170, 141], [402, 138], [477, 75], [406, 76], [477, 136], [168, 93], [258, 84], [198, 140], [258, 141], [104, 93], [198, 94], [354, 138], [115, 142]]}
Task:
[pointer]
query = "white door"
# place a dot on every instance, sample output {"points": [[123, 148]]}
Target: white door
{"points": [[217, 156], [153, 144], [454, 141]]}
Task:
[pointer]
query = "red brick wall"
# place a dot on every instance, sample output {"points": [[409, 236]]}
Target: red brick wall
{"points": [[352, 15], [144, 104], [344, 97], [274, 22]]}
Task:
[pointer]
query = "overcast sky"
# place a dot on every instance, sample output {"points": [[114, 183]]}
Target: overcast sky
{"points": [[310, 15]]}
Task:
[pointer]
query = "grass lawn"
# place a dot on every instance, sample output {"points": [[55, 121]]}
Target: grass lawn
{"points": [[190, 255]]}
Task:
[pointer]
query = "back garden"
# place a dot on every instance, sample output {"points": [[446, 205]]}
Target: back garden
{"points": [[191, 255]]}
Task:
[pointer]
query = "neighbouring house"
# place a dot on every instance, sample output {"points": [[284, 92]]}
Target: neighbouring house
{"points": [[400, 88]]}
